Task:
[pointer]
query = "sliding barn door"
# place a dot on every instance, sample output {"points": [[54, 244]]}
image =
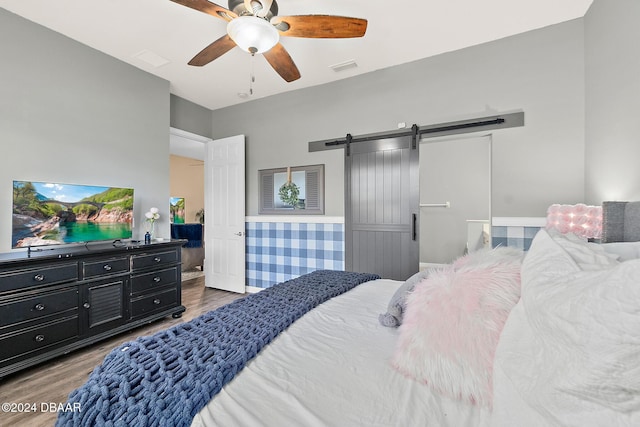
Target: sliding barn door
{"points": [[381, 207]]}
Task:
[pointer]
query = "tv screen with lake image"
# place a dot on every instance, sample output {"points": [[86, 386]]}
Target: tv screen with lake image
{"points": [[54, 214]]}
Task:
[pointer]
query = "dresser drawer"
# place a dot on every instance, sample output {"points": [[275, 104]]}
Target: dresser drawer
{"points": [[155, 302], [155, 259], [154, 280], [36, 338], [35, 307], [94, 269], [45, 275]]}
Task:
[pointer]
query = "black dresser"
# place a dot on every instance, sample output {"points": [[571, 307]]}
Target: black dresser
{"points": [[56, 301]]}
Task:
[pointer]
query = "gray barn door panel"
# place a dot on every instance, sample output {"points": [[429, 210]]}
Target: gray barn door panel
{"points": [[382, 207]]}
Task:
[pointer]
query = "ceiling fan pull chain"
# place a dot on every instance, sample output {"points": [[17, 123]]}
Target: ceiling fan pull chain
{"points": [[252, 77]]}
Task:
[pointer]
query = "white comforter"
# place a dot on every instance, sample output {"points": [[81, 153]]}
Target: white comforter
{"points": [[569, 355], [331, 368]]}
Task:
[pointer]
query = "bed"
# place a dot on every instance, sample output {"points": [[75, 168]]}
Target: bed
{"points": [[497, 338]]}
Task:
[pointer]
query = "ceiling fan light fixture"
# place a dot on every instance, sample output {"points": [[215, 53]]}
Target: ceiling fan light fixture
{"points": [[253, 34]]}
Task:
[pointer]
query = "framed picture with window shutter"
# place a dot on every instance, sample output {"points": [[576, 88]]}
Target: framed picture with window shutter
{"points": [[292, 190]]}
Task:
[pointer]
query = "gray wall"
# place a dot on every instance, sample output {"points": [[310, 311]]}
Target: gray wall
{"points": [[190, 117], [540, 72], [613, 101], [71, 114]]}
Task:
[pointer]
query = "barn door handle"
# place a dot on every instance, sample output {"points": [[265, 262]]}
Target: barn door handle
{"points": [[414, 220]]}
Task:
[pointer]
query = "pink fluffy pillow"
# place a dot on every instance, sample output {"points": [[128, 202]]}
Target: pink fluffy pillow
{"points": [[453, 323]]}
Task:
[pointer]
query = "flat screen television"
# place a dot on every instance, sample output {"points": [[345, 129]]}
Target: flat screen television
{"points": [[47, 213]]}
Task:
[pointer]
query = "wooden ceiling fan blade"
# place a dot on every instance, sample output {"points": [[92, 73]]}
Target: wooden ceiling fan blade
{"points": [[208, 8], [215, 50], [281, 61], [320, 26]]}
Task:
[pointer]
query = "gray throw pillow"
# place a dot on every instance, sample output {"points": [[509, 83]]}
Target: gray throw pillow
{"points": [[632, 222], [395, 310]]}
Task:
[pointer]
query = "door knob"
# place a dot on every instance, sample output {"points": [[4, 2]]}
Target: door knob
{"points": [[239, 233]]}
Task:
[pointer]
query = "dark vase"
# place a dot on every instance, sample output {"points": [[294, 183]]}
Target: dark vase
{"points": [[147, 238]]}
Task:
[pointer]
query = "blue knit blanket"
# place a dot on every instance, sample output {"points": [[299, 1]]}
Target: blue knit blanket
{"points": [[165, 379]]}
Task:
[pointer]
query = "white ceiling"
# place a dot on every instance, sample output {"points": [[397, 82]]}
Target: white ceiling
{"points": [[397, 33]]}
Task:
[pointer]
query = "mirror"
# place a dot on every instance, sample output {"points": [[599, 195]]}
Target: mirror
{"points": [[297, 190]]}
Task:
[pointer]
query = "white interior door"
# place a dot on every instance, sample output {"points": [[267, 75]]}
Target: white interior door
{"points": [[225, 214]]}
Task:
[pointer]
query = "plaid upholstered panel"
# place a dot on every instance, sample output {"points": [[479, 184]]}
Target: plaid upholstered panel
{"points": [[279, 251]]}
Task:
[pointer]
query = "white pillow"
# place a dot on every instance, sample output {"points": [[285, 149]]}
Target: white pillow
{"points": [[624, 250], [586, 255], [569, 351]]}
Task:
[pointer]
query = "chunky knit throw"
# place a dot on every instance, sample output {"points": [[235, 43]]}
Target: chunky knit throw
{"points": [[165, 379]]}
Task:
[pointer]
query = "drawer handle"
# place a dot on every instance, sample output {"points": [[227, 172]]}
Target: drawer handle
{"points": [[157, 279], [107, 267], [156, 301], [38, 277], [39, 307], [39, 338], [86, 305], [157, 259]]}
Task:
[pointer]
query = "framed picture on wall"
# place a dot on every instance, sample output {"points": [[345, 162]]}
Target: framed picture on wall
{"points": [[176, 209], [292, 190]]}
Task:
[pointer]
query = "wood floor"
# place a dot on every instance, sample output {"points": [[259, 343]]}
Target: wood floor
{"points": [[49, 384]]}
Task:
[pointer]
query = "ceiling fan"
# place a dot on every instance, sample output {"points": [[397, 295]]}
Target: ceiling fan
{"points": [[255, 27]]}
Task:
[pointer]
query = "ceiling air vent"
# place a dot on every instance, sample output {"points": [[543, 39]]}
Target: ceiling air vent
{"points": [[151, 58], [343, 66]]}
